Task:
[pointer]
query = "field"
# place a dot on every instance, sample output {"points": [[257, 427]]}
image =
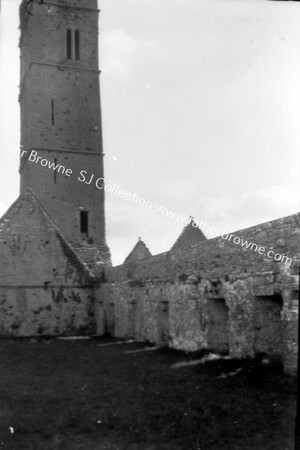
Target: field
{"points": [[103, 395]]}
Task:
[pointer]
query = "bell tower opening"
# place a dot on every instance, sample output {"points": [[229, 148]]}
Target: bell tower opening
{"points": [[69, 44], [77, 45]]}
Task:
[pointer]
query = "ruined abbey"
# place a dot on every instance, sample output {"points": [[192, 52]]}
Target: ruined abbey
{"points": [[56, 276]]}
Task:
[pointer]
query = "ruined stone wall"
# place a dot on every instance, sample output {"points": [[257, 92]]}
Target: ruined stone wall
{"points": [[44, 287], [218, 257], [214, 295], [42, 311]]}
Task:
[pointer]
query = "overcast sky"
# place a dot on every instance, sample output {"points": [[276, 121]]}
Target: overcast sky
{"points": [[201, 113]]}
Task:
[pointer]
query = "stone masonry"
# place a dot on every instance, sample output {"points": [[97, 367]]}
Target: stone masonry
{"points": [[212, 294], [45, 288], [55, 273], [54, 233], [61, 119]]}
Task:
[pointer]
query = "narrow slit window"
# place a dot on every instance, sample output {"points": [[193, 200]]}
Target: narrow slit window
{"points": [[52, 112], [69, 44], [84, 222], [77, 45], [55, 173]]}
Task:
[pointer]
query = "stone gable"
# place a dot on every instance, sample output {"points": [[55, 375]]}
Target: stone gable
{"points": [[45, 287]]}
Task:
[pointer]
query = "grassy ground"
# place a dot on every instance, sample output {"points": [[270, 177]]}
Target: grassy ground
{"points": [[81, 395]]}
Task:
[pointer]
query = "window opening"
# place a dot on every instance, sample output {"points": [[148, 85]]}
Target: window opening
{"points": [[69, 44], [77, 45], [52, 112], [55, 173], [84, 222]]}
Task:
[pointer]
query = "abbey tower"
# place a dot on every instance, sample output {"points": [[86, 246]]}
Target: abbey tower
{"points": [[61, 118]]}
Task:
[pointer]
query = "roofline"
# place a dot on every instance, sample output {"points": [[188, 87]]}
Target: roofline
{"points": [[27, 191]]}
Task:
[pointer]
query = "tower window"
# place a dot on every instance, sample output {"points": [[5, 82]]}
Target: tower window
{"points": [[77, 45], [55, 173], [73, 44], [52, 112], [69, 44], [84, 222]]}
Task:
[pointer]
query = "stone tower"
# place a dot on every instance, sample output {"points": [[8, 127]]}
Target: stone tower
{"points": [[61, 132]]}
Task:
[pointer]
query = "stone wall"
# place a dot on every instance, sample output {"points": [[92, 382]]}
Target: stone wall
{"points": [[61, 116], [214, 295], [45, 289], [42, 311]]}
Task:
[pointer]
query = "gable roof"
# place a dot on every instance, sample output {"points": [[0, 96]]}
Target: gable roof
{"points": [[190, 235], [139, 251], [67, 249]]}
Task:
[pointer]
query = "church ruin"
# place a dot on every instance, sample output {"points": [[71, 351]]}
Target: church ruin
{"points": [[55, 272]]}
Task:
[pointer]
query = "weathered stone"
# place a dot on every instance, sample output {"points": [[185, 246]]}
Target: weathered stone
{"points": [[244, 305], [45, 288]]}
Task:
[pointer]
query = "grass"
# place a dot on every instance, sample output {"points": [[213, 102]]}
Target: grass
{"points": [[80, 395]]}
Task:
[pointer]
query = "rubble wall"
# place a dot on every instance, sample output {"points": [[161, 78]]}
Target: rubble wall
{"points": [[214, 295], [45, 289]]}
